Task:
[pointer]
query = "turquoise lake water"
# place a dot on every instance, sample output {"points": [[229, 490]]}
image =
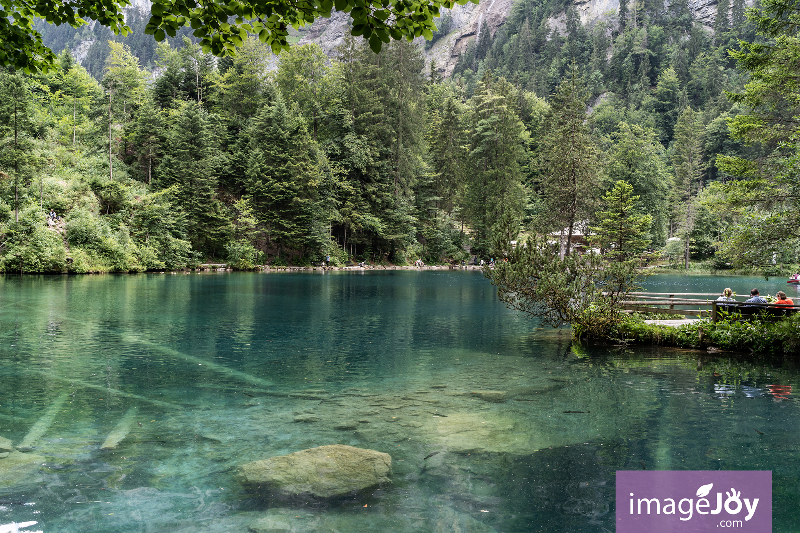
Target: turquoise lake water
{"points": [[201, 373]]}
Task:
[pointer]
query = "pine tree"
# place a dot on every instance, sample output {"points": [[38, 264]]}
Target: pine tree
{"points": [[484, 41], [167, 91], [146, 137], [300, 78], [622, 230], [16, 123], [526, 61], [78, 88], [568, 160], [448, 155], [280, 170], [239, 91], [667, 102], [197, 69], [124, 86], [496, 197], [687, 162], [738, 18], [189, 166], [722, 23]]}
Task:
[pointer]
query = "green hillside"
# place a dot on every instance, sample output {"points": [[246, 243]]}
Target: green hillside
{"points": [[176, 158]]}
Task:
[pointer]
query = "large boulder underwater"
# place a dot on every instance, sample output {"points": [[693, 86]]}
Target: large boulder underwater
{"points": [[324, 472]]}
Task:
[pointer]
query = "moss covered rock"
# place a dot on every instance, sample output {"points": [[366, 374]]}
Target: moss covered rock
{"points": [[324, 472]]}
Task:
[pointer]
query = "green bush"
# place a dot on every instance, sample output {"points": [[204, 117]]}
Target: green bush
{"points": [[112, 195], [755, 335], [242, 255], [107, 250], [83, 228], [148, 258], [30, 246]]}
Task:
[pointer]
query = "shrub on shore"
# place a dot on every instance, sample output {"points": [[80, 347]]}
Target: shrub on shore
{"points": [[776, 337]]}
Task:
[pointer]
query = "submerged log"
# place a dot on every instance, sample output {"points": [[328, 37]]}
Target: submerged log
{"points": [[107, 390], [43, 424], [202, 363], [120, 431]]}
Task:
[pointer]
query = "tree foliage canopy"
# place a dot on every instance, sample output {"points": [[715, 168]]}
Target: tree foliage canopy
{"points": [[584, 290], [221, 26], [768, 188]]}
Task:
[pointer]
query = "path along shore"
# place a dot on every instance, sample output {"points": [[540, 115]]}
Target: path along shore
{"points": [[672, 323], [221, 267]]}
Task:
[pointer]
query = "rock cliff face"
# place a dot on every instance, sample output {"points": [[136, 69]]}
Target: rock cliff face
{"points": [[467, 21], [705, 11], [590, 10]]}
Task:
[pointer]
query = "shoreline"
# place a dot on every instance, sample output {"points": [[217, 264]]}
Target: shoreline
{"points": [[212, 267], [222, 267]]}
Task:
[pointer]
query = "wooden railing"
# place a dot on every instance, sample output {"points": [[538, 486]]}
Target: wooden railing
{"points": [[675, 304]]}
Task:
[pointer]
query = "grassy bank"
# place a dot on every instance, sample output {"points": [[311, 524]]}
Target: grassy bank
{"points": [[710, 268], [774, 337]]}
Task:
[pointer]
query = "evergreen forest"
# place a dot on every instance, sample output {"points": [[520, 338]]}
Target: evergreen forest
{"points": [[158, 156]]}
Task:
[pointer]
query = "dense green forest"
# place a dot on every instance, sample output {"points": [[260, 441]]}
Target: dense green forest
{"points": [[158, 156]]}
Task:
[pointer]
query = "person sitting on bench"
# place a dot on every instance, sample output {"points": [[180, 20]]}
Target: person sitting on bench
{"points": [[782, 299], [727, 296], [755, 298]]}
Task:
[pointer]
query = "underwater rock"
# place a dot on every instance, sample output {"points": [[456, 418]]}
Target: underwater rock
{"points": [[3, 455], [494, 396], [306, 418], [18, 467], [278, 522], [480, 433], [324, 472], [6, 445], [447, 520], [347, 425], [294, 520], [310, 395]]}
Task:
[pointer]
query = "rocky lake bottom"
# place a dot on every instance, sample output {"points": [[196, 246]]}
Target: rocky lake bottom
{"points": [[110, 427]]}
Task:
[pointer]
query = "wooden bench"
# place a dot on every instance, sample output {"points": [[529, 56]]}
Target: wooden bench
{"points": [[746, 311]]}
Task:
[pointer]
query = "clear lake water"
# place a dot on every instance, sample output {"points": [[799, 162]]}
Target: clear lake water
{"points": [[136, 398]]}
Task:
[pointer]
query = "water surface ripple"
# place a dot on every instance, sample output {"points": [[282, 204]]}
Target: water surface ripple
{"points": [[138, 397]]}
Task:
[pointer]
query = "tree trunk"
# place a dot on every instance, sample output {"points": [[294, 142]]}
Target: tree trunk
{"points": [[110, 161], [569, 236], [689, 223], [16, 169]]}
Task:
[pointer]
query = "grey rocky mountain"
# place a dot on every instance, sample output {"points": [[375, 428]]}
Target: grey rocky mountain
{"points": [[467, 20]]}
